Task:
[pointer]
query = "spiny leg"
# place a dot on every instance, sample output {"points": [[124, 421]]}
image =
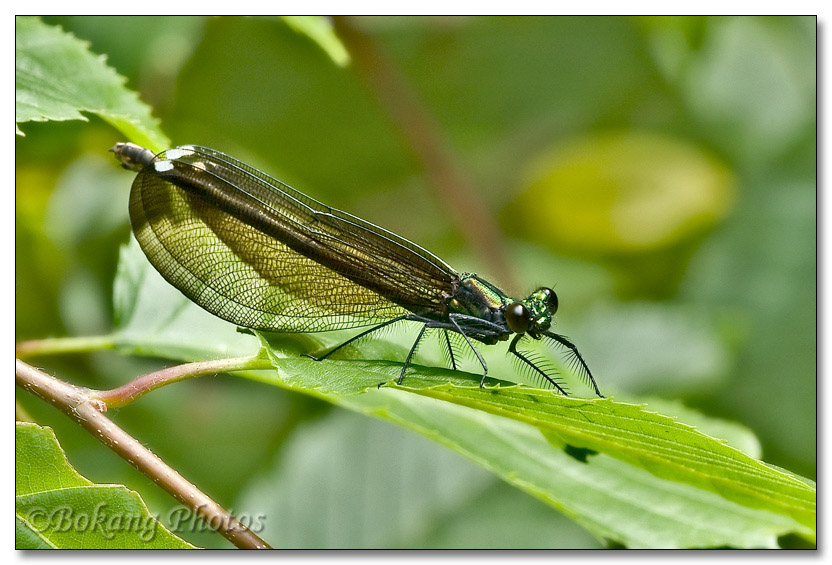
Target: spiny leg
{"points": [[564, 341], [409, 355], [354, 338], [513, 349], [476, 352], [447, 343]]}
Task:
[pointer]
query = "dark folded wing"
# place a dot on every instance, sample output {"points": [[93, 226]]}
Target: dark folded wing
{"points": [[260, 254]]}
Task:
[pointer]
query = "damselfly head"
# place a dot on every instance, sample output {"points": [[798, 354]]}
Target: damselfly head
{"points": [[533, 314]]}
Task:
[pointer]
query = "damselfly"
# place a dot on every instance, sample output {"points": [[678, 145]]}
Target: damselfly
{"points": [[258, 253]]}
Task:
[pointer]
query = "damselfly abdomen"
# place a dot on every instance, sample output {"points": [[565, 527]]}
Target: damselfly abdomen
{"points": [[262, 255]]}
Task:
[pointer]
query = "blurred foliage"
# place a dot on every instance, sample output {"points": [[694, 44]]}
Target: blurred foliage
{"points": [[660, 171], [622, 193]]}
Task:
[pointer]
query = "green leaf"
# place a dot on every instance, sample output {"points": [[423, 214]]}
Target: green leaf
{"points": [[657, 443], [690, 490], [319, 30], [736, 435], [57, 78], [55, 507]]}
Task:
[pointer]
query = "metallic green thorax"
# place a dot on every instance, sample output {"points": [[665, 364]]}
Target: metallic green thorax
{"points": [[477, 297]]}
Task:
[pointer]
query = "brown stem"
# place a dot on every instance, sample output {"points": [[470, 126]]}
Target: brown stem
{"points": [[142, 385], [81, 406], [424, 139]]}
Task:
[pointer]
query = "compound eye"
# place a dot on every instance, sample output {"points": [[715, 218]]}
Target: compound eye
{"points": [[518, 318], [551, 299]]}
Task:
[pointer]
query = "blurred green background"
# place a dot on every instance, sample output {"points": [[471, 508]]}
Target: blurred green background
{"points": [[661, 172]]}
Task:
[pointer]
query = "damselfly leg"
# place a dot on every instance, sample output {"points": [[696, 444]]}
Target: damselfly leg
{"points": [[531, 364], [578, 361], [357, 337]]}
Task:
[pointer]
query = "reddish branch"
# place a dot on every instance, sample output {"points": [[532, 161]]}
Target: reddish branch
{"points": [[85, 408]]}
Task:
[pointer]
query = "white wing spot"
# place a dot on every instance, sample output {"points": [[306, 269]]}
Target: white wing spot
{"points": [[179, 152]]}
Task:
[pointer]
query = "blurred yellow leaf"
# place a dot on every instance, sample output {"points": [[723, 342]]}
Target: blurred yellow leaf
{"points": [[621, 193]]}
